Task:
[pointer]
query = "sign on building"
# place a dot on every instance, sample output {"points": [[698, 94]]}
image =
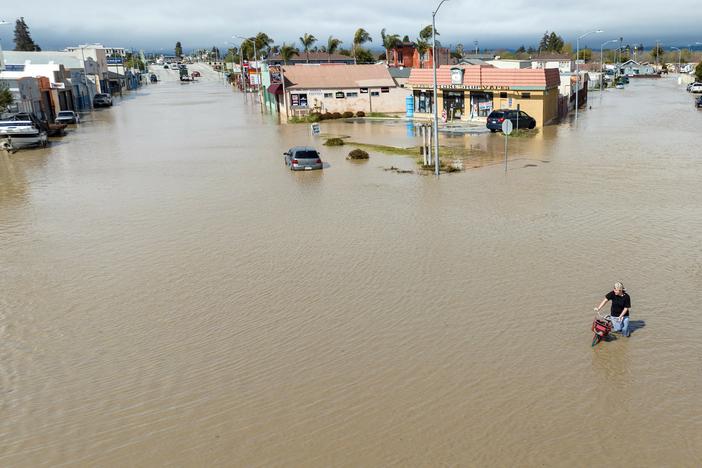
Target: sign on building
{"points": [[456, 76], [276, 77]]}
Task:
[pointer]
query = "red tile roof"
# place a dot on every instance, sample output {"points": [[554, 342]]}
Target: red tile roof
{"points": [[337, 76], [487, 75]]}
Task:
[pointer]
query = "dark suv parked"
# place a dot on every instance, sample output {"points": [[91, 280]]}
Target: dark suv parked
{"points": [[520, 119]]}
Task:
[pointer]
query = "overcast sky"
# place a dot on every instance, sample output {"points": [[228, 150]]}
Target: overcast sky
{"points": [[156, 24]]}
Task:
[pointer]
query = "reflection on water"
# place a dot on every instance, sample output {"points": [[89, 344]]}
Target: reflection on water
{"points": [[173, 294]]}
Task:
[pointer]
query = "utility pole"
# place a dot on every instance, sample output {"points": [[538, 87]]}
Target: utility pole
{"points": [[679, 56], [436, 92]]}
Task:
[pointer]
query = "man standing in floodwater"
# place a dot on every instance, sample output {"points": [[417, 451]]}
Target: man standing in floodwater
{"points": [[621, 304]]}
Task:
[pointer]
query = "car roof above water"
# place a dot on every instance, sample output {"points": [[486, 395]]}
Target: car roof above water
{"points": [[302, 148]]}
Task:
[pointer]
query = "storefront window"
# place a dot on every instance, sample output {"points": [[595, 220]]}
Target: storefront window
{"points": [[423, 101], [298, 100], [480, 104]]}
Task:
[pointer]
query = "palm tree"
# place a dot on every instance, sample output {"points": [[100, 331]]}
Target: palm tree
{"points": [[422, 47], [425, 33], [361, 37], [332, 46], [287, 52], [390, 41], [263, 43], [307, 40]]}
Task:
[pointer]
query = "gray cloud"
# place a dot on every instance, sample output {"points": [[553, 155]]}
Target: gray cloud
{"points": [[159, 24]]}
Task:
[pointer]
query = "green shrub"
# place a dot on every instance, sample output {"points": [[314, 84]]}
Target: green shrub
{"points": [[334, 142], [327, 116], [347, 115], [314, 117], [336, 115], [357, 154], [360, 114]]}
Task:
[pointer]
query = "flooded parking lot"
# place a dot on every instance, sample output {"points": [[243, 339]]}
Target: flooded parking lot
{"points": [[171, 294]]}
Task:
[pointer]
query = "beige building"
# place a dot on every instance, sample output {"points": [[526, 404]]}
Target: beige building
{"points": [[338, 88], [470, 93]]}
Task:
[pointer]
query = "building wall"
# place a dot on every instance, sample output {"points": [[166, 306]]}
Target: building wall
{"points": [[564, 66], [392, 101], [96, 71], [541, 105], [510, 64]]}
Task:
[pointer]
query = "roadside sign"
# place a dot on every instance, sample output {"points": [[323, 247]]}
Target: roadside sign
{"points": [[580, 62], [507, 127], [316, 130]]}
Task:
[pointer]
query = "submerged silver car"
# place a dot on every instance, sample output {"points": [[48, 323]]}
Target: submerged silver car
{"points": [[302, 158]]}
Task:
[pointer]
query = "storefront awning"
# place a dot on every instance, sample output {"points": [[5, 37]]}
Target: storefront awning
{"points": [[276, 89]]}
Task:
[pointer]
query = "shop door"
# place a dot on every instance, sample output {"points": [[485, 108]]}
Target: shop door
{"points": [[453, 105]]}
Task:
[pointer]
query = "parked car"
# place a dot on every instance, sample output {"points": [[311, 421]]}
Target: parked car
{"points": [[67, 117], [102, 100], [196, 74], [520, 119], [302, 158], [696, 88]]}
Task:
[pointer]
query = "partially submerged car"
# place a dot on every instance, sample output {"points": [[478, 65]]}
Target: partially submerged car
{"points": [[303, 158]]}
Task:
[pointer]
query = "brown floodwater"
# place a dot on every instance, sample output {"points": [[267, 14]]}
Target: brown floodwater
{"points": [[171, 295]]}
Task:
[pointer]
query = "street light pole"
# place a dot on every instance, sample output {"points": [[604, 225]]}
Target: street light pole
{"points": [[602, 62], [577, 68], [436, 91], [2, 61], [260, 80]]}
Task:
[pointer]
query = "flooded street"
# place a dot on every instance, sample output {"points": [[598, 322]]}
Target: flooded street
{"points": [[171, 294]]}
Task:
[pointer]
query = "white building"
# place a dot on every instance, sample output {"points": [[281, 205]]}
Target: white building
{"points": [[67, 75], [98, 53]]}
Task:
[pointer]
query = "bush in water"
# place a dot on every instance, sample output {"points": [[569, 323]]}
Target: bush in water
{"points": [[357, 154]]}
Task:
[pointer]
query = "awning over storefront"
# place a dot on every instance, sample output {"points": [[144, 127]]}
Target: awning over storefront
{"points": [[276, 89]]}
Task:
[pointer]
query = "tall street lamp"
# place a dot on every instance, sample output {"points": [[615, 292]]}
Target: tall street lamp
{"points": [[577, 67], [436, 92], [602, 61], [260, 78]]}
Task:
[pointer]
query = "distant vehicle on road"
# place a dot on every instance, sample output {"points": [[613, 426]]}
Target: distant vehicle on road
{"points": [[698, 102], [196, 74], [302, 158], [520, 119], [102, 100], [696, 88], [67, 117], [166, 67], [184, 76], [153, 78]]}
